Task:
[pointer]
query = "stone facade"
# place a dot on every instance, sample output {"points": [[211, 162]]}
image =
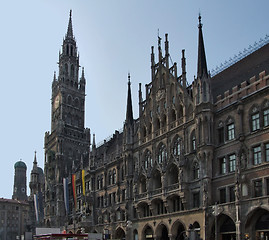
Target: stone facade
{"points": [[196, 158], [14, 217]]}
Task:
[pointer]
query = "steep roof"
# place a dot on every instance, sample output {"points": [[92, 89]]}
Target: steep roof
{"points": [[241, 71]]}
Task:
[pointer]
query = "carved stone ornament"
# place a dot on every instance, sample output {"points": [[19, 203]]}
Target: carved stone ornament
{"points": [[159, 95]]}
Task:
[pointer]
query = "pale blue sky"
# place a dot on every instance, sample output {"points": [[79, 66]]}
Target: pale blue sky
{"points": [[114, 37]]}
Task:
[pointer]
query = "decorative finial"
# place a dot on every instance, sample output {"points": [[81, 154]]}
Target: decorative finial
{"points": [[200, 22], [129, 78], [159, 40], [35, 158], [82, 71]]}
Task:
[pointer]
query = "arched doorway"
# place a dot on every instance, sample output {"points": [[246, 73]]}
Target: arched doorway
{"points": [[225, 228], [257, 224], [178, 231], [148, 233], [120, 234], [135, 234], [196, 227], [162, 232]]}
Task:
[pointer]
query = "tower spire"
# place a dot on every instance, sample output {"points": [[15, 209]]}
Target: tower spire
{"points": [[202, 66], [70, 27], [129, 112], [35, 161]]}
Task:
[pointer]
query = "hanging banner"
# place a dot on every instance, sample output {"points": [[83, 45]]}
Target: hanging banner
{"points": [[36, 207], [74, 190], [66, 195], [83, 181]]}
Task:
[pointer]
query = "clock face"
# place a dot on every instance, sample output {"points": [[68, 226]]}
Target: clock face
{"points": [[57, 101]]}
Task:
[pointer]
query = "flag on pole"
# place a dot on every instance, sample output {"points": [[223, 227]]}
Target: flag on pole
{"points": [[74, 189], [36, 207], [83, 181], [66, 195]]}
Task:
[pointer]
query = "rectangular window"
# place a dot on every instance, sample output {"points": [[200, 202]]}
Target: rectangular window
{"points": [[267, 185], [232, 164], [221, 135], [193, 143], [109, 199], [257, 155], [98, 202], [266, 118], [222, 165], [267, 152], [222, 194], [258, 188], [232, 194], [230, 131], [255, 118], [196, 200], [123, 194]]}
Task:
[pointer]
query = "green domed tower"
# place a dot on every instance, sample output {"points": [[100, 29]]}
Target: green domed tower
{"points": [[19, 188]]}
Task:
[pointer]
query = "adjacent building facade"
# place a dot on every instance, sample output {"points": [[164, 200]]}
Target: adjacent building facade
{"points": [[197, 157]]}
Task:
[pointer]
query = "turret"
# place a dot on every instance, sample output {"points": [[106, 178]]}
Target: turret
{"points": [[34, 178]]}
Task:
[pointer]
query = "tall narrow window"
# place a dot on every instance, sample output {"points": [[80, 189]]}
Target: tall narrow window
{"points": [[72, 70], [255, 119], [258, 188], [221, 135], [148, 160], [176, 147], [198, 94], [196, 200], [230, 131], [193, 141], [196, 170], [162, 154], [257, 155], [267, 152], [266, 118], [232, 163], [109, 178], [267, 185], [232, 194], [222, 165], [222, 193], [114, 180]]}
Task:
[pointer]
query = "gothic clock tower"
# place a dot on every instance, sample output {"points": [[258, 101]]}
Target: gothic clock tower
{"points": [[67, 145]]}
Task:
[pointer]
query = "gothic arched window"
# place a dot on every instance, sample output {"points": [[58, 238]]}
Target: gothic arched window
{"points": [[193, 141], [162, 154], [148, 159], [198, 94], [114, 180], [109, 178], [72, 70], [177, 147], [66, 69]]}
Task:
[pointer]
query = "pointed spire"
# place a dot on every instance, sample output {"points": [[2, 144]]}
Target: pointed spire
{"points": [[34, 170], [82, 75], [70, 28], [93, 141], [129, 112], [202, 66], [35, 161]]}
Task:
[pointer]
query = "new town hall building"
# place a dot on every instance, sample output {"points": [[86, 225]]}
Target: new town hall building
{"points": [[197, 157]]}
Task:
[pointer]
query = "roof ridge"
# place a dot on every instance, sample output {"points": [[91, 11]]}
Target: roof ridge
{"points": [[240, 56]]}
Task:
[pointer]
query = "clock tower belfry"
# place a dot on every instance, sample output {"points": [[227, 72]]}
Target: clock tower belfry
{"points": [[68, 142]]}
